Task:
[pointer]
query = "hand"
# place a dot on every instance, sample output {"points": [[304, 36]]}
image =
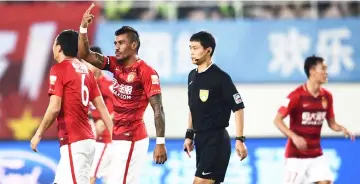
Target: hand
{"points": [[241, 150], [87, 17], [160, 156], [348, 134], [34, 142], [299, 142], [188, 146]]}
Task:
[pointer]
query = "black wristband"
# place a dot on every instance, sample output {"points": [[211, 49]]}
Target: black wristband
{"points": [[189, 134]]}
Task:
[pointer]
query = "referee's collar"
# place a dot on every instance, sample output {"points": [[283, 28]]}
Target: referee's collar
{"points": [[206, 68]]}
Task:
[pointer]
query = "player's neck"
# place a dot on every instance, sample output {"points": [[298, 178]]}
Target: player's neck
{"points": [[204, 66], [313, 87], [133, 59], [61, 58]]}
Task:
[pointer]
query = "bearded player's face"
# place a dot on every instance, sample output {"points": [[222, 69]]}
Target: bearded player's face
{"points": [[123, 48]]}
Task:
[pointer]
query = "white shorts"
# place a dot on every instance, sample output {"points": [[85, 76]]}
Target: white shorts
{"points": [[309, 170], [101, 160], [75, 162], [127, 160]]}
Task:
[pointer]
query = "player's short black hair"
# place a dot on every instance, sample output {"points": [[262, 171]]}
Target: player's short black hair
{"points": [[206, 40], [96, 49], [68, 41], [310, 62], [131, 32]]}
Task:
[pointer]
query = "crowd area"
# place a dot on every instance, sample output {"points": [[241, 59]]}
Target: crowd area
{"points": [[221, 9]]}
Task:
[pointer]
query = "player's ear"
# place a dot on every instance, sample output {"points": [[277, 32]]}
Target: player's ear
{"points": [[208, 50], [134, 45]]}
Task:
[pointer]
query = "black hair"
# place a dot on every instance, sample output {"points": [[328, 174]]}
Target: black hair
{"points": [[311, 62], [131, 32], [68, 41], [96, 49], [206, 40]]}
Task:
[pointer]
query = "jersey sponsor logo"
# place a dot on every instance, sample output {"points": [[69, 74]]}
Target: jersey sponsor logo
{"points": [[324, 102], [237, 98], [131, 76], [121, 90], [313, 118], [204, 95], [25, 167], [154, 79], [52, 79]]}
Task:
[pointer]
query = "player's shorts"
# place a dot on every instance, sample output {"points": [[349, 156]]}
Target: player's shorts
{"points": [[75, 162], [102, 160], [213, 149], [127, 160], [307, 170]]}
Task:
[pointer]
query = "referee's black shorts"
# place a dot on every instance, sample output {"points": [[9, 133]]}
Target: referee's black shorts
{"points": [[213, 149]]}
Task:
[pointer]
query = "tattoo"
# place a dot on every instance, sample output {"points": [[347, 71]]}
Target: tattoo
{"points": [[159, 115], [86, 54]]}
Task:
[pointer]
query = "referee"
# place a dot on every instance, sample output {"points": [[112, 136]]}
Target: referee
{"points": [[212, 95]]}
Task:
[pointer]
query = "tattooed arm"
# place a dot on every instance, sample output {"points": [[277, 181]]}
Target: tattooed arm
{"points": [[94, 58], [159, 115]]}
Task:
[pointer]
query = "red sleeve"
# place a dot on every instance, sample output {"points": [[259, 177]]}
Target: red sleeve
{"points": [[106, 91], [151, 82], [288, 104], [94, 88], [110, 63], [56, 81], [330, 111]]}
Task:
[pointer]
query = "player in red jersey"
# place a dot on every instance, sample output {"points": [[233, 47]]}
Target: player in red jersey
{"points": [[308, 106], [135, 85], [103, 137], [72, 86]]}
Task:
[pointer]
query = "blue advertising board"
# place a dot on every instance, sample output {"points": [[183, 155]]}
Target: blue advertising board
{"points": [[264, 164], [250, 51]]}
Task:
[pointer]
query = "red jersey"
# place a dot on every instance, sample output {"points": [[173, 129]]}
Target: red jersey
{"points": [[105, 85], [132, 88], [307, 114], [76, 85]]}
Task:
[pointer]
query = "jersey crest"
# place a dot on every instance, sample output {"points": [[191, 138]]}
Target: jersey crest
{"points": [[204, 95]]}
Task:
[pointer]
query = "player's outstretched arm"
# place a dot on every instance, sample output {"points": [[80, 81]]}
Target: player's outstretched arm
{"points": [[104, 113], [333, 125], [159, 115], [84, 52]]}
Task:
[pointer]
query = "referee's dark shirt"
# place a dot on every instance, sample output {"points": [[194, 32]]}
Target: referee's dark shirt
{"points": [[211, 97]]}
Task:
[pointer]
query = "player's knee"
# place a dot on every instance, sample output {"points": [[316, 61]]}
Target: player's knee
{"points": [[199, 180]]}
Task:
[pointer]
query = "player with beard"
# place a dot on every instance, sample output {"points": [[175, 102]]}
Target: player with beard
{"points": [[135, 85]]}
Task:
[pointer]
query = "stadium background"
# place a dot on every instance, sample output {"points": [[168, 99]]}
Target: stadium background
{"points": [[262, 46]]}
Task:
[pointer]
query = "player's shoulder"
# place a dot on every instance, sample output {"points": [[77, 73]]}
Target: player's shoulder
{"points": [[325, 91], [296, 93], [219, 73], [145, 67]]}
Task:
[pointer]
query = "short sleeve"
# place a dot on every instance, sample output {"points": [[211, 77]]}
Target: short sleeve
{"points": [[288, 104], [56, 81], [190, 81], [109, 63], [330, 111], [151, 82], [230, 94], [94, 88]]}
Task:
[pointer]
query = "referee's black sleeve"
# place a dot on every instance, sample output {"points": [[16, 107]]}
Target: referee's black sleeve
{"points": [[230, 94]]}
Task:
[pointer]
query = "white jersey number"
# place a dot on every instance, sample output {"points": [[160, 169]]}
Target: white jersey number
{"points": [[84, 89]]}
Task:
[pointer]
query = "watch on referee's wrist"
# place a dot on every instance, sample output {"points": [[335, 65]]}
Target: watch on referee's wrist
{"points": [[189, 134], [241, 138]]}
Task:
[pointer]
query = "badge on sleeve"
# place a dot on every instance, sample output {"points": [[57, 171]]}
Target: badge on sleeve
{"points": [[52, 79], [154, 79], [237, 98], [204, 95]]}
